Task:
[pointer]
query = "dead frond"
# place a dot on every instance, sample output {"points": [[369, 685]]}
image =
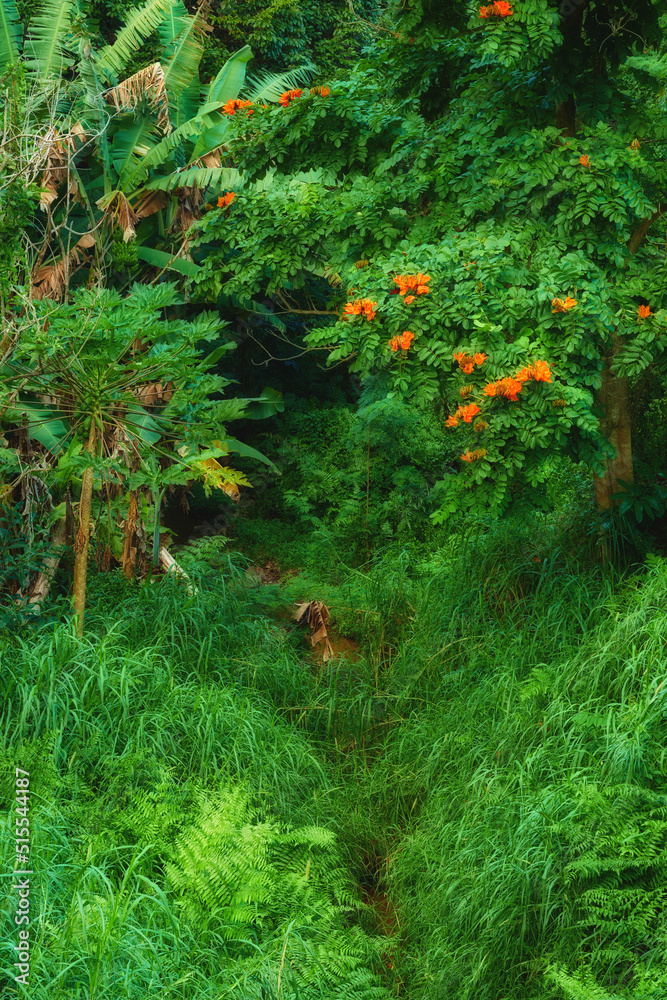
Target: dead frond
{"points": [[315, 614], [148, 84]]}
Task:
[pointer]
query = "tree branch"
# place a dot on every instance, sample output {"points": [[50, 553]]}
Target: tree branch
{"points": [[640, 232]]}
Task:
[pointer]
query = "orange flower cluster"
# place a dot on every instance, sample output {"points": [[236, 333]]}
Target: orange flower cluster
{"points": [[358, 307], [501, 8], [511, 386], [226, 199], [562, 305], [403, 341], [412, 283], [584, 161], [472, 456], [643, 312], [235, 105], [289, 95], [322, 91], [465, 413], [467, 362]]}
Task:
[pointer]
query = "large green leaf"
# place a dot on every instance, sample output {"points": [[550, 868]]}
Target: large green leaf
{"points": [[160, 153], [226, 86], [229, 80], [132, 133], [267, 405], [10, 34], [44, 46], [170, 26], [244, 449], [141, 424], [183, 65], [158, 258], [49, 427], [139, 24]]}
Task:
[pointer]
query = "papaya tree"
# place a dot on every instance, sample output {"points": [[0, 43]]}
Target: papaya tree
{"points": [[498, 200], [120, 398]]}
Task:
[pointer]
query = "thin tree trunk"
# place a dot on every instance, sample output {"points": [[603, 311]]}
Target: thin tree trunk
{"points": [[616, 425], [130, 550], [83, 538]]}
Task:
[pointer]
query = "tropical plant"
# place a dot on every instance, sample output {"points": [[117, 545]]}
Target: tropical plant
{"points": [[106, 403], [453, 233]]}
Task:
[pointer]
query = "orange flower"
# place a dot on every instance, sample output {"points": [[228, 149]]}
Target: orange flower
{"points": [[393, 343], [584, 161], [644, 312], [509, 388], [524, 374], [289, 95], [226, 199], [407, 339], [542, 372], [412, 282], [468, 412], [451, 422], [409, 299], [358, 307], [491, 389], [562, 305], [467, 362], [235, 105], [501, 8]]}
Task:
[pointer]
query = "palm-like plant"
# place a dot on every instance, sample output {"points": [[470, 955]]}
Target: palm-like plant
{"points": [[152, 143], [105, 404]]}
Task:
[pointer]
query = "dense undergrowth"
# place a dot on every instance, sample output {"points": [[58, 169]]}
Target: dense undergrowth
{"points": [[476, 807]]}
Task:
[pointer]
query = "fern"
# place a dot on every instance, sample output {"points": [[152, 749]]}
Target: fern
{"points": [[618, 871], [579, 987], [239, 879]]}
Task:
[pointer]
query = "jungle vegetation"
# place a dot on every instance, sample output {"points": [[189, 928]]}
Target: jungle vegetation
{"points": [[332, 498]]}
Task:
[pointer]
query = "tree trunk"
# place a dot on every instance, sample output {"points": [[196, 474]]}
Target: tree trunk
{"points": [[129, 547], [616, 425], [83, 538]]}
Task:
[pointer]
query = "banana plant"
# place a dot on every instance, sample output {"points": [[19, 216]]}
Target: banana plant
{"points": [[106, 403], [150, 143]]}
